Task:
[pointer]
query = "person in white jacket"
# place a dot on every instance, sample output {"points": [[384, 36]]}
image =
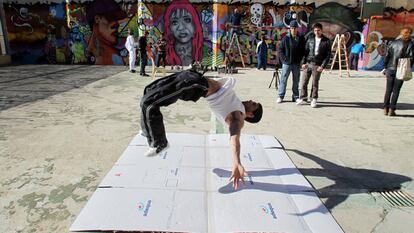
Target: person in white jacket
{"points": [[131, 45]]}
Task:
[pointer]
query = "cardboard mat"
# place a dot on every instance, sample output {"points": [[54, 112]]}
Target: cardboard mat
{"points": [[187, 189]]}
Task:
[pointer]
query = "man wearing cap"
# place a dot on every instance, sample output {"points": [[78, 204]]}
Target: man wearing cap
{"points": [[143, 53], [291, 51], [103, 17]]}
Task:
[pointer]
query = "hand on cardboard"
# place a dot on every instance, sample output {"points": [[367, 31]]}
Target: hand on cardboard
{"points": [[237, 174]]}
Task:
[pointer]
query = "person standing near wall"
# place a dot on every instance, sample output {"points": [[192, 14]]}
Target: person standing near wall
{"points": [[143, 53], [356, 50], [400, 48], [291, 51], [161, 45], [131, 45], [235, 21], [261, 52], [315, 60]]}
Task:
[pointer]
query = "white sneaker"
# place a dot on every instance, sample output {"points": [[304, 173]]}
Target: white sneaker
{"points": [[300, 102], [279, 100], [152, 151], [313, 103], [141, 133]]}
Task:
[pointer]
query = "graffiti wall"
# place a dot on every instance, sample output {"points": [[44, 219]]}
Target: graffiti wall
{"points": [[379, 31], [94, 32], [37, 33]]}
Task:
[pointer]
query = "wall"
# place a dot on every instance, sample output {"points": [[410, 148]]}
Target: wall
{"points": [[379, 31], [94, 32]]}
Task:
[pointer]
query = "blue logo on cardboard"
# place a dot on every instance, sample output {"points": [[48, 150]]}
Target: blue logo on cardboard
{"points": [[144, 207], [248, 156], [268, 209]]}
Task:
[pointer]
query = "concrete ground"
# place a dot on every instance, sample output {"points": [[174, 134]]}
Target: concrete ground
{"points": [[63, 127]]}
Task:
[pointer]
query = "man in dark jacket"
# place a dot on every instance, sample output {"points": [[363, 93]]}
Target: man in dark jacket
{"points": [[291, 51], [143, 53], [316, 58], [400, 48]]}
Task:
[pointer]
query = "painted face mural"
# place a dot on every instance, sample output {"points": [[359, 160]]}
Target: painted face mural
{"points": [[103, 17], [182, 26], [183, 32], [256, 11]]}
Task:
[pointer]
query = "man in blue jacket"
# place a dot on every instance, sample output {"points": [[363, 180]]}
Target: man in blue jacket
{"points": [[291, 52]]}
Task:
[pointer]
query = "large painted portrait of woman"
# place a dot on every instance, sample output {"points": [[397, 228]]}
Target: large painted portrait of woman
{"points": [[184, 33]]}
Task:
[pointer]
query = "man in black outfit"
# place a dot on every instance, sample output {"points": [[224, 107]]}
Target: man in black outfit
{"points": [[143, 53], [400, 48], [315, 60]]}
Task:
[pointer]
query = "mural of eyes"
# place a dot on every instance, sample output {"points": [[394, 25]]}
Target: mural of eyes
{"points": [[256, 11], [206, 16], [288, 17]]}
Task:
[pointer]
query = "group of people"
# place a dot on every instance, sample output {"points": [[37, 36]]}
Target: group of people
{"points": [[144, 49], [310, 54], [307, 57]]}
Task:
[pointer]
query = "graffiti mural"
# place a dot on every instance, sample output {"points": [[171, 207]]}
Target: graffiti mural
{"points": [[379, 31], [37, 33], [94, 32]]}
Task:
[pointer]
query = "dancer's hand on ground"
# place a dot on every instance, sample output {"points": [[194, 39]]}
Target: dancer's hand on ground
{"points": [[237, 174]]}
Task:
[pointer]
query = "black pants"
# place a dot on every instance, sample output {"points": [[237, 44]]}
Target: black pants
{"points": [[161, 56], [144, 59], [186, 85], [392, 90], [353, 60]]}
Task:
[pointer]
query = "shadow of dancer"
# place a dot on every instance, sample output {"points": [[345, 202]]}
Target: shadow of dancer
{"points": [[349, 180]]}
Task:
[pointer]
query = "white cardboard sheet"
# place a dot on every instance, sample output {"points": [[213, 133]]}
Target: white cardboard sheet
{"points": [[187, 189]]}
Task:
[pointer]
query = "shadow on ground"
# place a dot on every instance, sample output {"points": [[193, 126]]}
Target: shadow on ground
{"points": [[23, 84], [349, 180], [400, 106]]}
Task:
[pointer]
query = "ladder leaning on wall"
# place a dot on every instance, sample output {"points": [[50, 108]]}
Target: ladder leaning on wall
{"points": [[234, 39], [339, 46]]}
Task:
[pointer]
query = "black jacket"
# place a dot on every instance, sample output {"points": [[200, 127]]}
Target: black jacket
{"points": [[394, 52], [291, 51], [324, 51]]}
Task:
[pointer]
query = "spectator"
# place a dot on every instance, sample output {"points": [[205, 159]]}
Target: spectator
{"points": [[161, 45], [143, 53], [356, 50], [291, 51], [400, 48], [131, 45], [261, 52], [315, 60]]}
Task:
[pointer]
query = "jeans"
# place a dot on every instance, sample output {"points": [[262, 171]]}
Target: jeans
{"points": [[286, 69], [392, 90], [261, 62], [161, 56], [305, 77], [353, 59]]}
